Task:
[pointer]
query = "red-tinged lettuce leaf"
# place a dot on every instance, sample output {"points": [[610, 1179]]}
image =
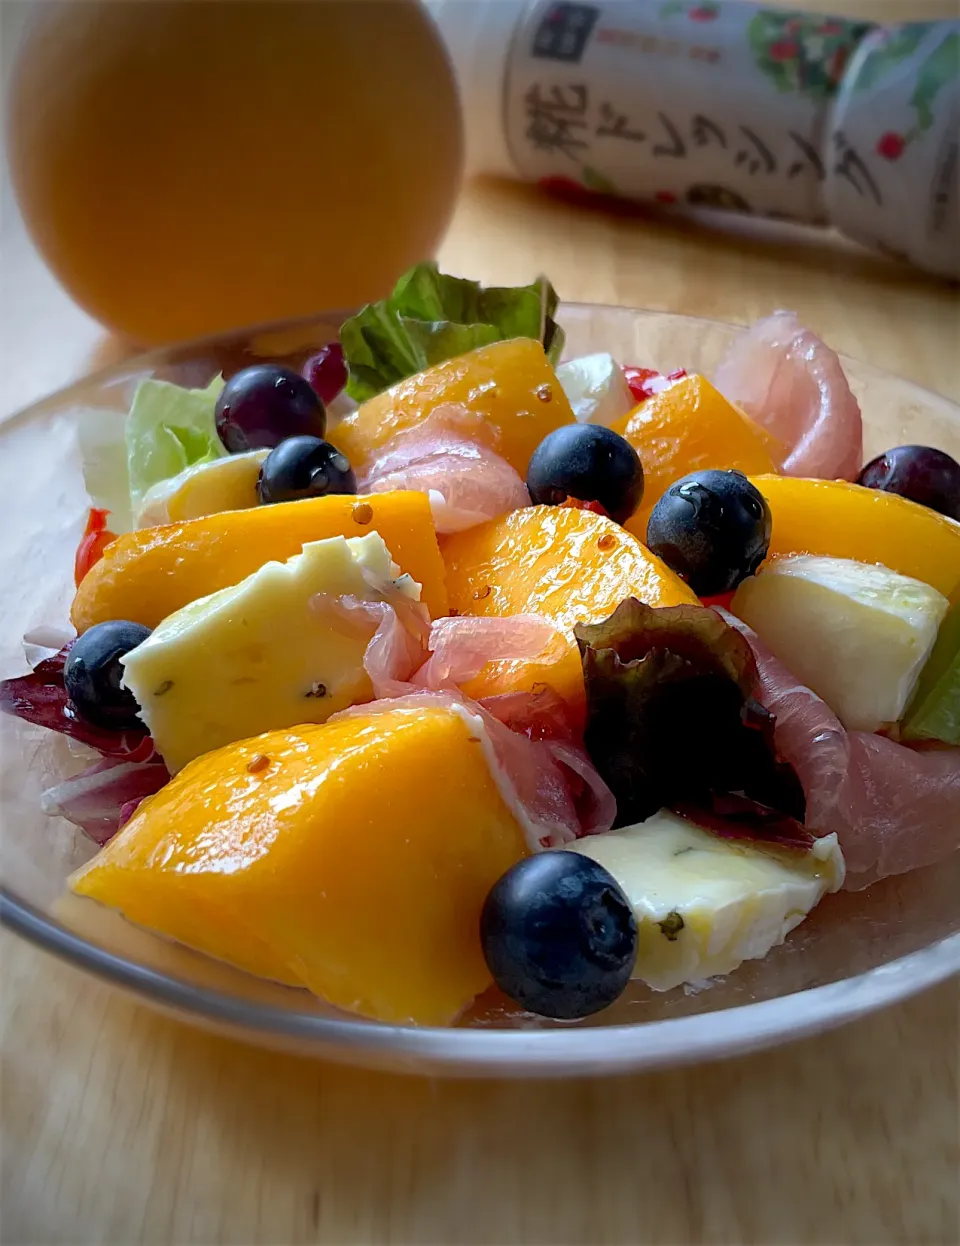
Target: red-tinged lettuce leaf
{"points": [[734, 816], [41, 698], [672, 721], [105, 795], [540, 713]]}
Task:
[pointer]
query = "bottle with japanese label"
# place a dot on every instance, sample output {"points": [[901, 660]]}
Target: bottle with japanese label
{"points": [[723, 104]]}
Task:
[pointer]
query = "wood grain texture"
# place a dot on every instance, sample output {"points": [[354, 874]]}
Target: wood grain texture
{"points": [[121, 1127], [125, 1127]]}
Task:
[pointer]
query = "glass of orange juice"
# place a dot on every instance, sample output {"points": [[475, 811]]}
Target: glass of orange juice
{"points": [[188, 166]]}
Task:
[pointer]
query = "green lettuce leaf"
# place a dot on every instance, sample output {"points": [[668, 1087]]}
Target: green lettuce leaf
{"points": [[103, 458], [672, 721], [934, 710], [169, 429], [431, 317]]}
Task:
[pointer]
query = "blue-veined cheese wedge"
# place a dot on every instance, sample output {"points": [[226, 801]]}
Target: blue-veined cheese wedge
{"points": [[704, 904], [259, 656]]}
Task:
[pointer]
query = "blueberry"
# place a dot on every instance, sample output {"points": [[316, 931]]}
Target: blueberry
{"points": [[92, 674], [712, 528], [558, 935], [304, 467], [261, 406], [590, 463], [920, 473]]}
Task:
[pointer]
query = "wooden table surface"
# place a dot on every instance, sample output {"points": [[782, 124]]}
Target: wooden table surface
{"points": [[123, 1127]]}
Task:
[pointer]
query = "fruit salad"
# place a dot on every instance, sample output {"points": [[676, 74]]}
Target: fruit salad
{"points": [[440, 667]]}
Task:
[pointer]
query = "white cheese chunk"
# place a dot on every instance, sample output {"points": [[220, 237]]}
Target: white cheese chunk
{"points": [[857, 634], [258, 656], [596, 389], [704, 904], [227, 484]]}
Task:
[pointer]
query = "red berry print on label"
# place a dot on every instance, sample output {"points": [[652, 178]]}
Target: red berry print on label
{"points": [[703, 14], [891, 145], [803, 53], [784, 50], [665, 196], [838, 64]]}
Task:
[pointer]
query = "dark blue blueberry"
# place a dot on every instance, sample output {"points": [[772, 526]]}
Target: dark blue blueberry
{"points": [[263, 405], [92, 674], [558, 935], [712, 528], [920, 473], [304, 467], [590, 463]]}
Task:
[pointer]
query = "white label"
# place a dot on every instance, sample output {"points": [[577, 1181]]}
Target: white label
{"points": [[719, 103]]}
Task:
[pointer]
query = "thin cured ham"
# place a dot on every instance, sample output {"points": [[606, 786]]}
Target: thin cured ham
{"points": [[462, 646], [446, 458], [793, 385], [550, 784], [398, 630], [894, 808]]}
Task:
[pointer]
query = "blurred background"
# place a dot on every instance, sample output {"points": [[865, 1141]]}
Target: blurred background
{"points": [[171, 200]]}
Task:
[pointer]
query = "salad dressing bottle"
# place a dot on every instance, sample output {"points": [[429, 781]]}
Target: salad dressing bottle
{"points": [[722, 104]]}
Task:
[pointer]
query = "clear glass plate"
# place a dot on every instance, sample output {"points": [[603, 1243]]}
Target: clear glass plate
{"points": [[855, 953]]}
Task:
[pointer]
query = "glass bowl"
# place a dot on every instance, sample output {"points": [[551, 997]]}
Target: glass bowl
{"points": [[857, 951]]}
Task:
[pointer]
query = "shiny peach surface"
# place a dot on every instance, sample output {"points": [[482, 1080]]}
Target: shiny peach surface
{"points": [[510, 385], [842, 520], [147, 574], [354, 861], [687, 428], [570, 566]]}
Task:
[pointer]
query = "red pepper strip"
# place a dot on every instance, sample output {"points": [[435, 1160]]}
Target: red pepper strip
{"points": [[94, 541], [645, 382], [575, 504], [636, 379]]}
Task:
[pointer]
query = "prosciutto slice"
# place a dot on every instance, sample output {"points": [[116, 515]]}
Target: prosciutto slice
{"points": [[541, 713], [398, 631], [548, 781], [893, 807], [793, 385], [446, 457], [461, 646]]}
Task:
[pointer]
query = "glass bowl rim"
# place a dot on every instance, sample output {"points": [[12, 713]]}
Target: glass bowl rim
{"points": [[479, 1051], [157, 354], [608, 1050]]}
